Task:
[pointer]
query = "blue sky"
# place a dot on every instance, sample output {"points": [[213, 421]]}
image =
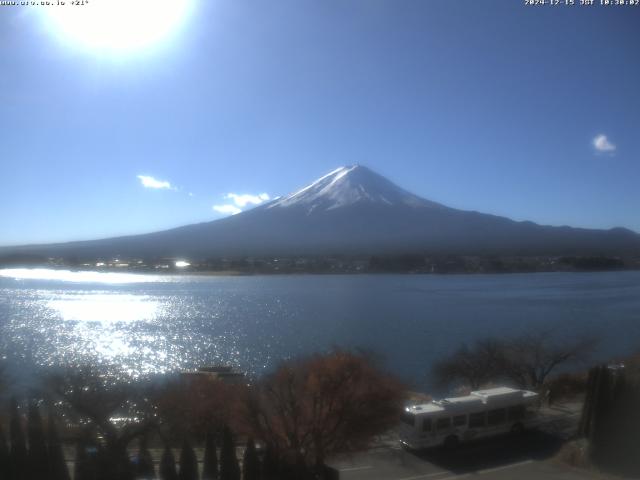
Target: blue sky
{"points": [[484, 105]]}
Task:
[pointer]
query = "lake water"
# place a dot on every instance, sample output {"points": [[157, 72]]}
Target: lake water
{"points": [[142, 324]]}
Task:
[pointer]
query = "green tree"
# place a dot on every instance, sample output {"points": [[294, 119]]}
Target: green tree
{"points": [[57, 463], [84, 464], [270, 464], [188, 462], [601, 423], [585, 426], [113, 464], [38, 456], [610, 417], [229, 468], [18, 454], [144, 465], [250, 462], [168, 465], [4, 377], [4, 456], [210, 467]]}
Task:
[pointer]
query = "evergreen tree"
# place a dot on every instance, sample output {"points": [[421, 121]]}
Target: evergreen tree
{"points": [[4, 456], [586, 419], [210, 467], [270, 464], [627, 424], [83, 462], [229, 468], [144, 467], [601, 423], [18, 453], [103, 463], [38, 456], [113, 462], [57, 463], [610, 419], [293, 467], [188, 463], [250, 462], [168, 465]]}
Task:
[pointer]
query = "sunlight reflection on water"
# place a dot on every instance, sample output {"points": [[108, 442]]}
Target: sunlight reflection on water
{"points": [[81, 276], [96, 322], [154, 324], [105, 308], [125, 324]]}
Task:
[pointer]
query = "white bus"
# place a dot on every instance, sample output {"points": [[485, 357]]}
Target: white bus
{"points": [[483, 413]]}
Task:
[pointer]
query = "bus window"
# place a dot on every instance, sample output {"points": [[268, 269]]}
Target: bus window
{"points": [[476, 420], [426, 425], [408, 419], [459, 420], [516, 413], [496, 417], [443, 423]]}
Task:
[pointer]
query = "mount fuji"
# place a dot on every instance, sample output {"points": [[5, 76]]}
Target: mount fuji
{"points": [[353, 210]]}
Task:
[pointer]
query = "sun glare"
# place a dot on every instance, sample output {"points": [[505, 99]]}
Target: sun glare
{"points": [[105, 308], [118, 26]]}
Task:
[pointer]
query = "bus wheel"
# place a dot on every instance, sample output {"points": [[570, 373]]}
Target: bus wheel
{"points": [[451, 442], [517, 428]]}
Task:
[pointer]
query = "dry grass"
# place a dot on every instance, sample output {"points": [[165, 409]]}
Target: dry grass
{"points": [[575, 453]]}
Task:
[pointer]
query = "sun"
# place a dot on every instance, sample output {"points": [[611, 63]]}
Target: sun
{"points": [[119, 26]]}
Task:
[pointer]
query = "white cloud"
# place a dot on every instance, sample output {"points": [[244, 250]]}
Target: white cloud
{"points": [[239, 202], [602, 144], [227, 209], [246, 199], [150, 182]]}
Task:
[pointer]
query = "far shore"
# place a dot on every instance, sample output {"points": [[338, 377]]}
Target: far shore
{"points": [[286, 272]]}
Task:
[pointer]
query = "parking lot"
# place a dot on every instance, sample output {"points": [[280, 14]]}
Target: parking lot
{"points": [[529, 456]]}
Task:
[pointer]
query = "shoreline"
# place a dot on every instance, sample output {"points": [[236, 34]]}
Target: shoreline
{"points": [[241, 273]]}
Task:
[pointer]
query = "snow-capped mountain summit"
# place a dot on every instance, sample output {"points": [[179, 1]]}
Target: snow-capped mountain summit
{"points": [[352, 210], [348, 186]]}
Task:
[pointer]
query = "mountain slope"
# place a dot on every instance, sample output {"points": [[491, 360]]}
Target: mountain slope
{"points": [[353, 210]]}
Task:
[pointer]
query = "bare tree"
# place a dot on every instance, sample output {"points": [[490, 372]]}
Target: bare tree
{"points": [[471, 366], [526, 360], [318, 406], [197, 406], [531, 358], [118, 410]]}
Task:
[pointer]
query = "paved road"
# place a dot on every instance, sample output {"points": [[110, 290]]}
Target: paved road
{"points": [[527, 457]]}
